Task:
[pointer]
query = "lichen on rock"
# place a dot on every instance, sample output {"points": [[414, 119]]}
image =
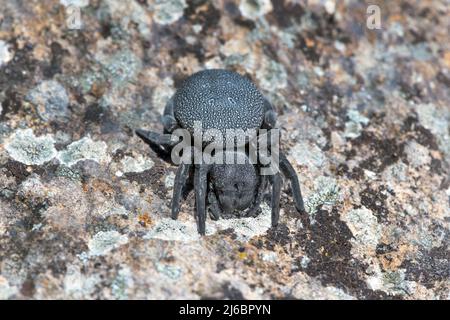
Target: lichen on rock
{"points": [[254, 9], [84, 149], [5, 53], [168, 11], [25, 147], [326, 192], [105, 241], [365, 229], [134, 164], [85, 205]]}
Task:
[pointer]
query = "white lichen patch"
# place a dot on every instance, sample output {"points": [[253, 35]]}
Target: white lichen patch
{"points": [[326, 192], [175, 230], [354, 126], [365, 229], [254, 9], [186, 231], [105, 241], [84, 149], [136, 164], [168, 11], [5, 53], [25, 147]]}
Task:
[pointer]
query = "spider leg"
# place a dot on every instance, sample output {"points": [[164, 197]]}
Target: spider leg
{"points": [[252, 211], [270, 116], [168, 118], [276, 192], [289, 172], [200, 185], [180, 181], [163, 141], [214, 208], [159, 143]]}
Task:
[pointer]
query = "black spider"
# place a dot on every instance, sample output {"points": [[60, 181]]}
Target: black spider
{"points": [[222, 100]]}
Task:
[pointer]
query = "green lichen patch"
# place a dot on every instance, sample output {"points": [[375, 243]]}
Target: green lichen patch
{"points": [[105, 241], [355, 124], [326, 192], [25, 147], [254, 9], [168, 11], [84, 149]]}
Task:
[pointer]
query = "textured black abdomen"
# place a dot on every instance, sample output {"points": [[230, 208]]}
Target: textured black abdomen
{"points": [[220, 99]]}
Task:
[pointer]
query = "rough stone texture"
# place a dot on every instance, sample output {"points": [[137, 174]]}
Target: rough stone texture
{"points": [[365, 117]]}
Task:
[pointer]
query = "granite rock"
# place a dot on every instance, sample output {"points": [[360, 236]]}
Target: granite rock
{"points": [[365, 119]]}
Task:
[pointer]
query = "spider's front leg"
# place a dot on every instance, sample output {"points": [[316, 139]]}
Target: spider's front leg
{"points": [[200, 185], [162, 143], [168, 118], [270, 116], [180, 181]]}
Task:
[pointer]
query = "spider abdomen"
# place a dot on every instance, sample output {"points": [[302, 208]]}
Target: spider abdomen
{"points": [[219, 99]]}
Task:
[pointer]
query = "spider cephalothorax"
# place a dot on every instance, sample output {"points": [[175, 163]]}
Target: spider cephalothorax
{"points": [[222, 100]]}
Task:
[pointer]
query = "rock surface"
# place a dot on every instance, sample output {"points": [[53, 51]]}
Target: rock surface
{"points": [[365, 118]]}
